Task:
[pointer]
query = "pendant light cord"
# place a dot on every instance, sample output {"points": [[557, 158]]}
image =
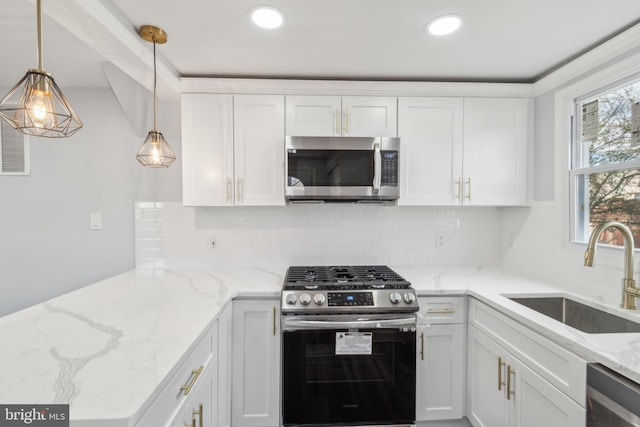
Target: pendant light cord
{"points": [[155, 83], [40, 39]]}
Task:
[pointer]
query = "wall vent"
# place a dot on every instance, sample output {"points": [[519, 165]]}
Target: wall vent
{"points": [[14, 151]]}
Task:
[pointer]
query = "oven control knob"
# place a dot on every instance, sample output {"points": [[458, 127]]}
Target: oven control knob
{"points": [[305, 299], [409, 298], [395, 297], [319, 299], [291, 299]]}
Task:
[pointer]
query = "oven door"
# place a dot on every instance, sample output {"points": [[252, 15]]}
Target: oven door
{"points": [[349, 369]]}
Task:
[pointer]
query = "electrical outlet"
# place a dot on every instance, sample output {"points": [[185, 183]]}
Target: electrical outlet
{"points": [[213, 244], [441, 240]]}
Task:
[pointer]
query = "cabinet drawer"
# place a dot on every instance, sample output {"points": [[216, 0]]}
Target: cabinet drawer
{"points": [[441, 309], [188, 375], [560, 367]]}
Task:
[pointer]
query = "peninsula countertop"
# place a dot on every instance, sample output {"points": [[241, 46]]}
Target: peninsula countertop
{"points": [[108, 348]]}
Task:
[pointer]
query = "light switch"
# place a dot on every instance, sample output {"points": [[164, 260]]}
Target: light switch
{"points": [[95, 221]]}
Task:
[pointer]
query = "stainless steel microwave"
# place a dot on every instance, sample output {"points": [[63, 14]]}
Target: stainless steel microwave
{"points": [[342, 168]]}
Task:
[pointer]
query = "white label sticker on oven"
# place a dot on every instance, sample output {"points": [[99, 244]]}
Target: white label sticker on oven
{"points": [[354, 342]]}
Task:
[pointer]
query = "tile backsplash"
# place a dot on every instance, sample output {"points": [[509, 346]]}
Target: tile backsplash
{"points": [[169, 235]]}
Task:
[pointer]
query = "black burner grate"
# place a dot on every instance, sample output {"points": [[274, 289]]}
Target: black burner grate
{"points": [[344, 277]]}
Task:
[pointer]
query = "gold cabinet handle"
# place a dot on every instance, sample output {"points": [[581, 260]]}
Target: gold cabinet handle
{"points": [[228, 190], [195, 373], [274, 321], [193, 423], [500, 381], [337, 115], [441, 311], [199, 412], [509, 391], [346, 122], [468, 189], [422, 345], [240, 189], [459, 187]]}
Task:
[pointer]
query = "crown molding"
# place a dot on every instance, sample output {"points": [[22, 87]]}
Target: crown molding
{"points": [[598, 56], [348, 87]]}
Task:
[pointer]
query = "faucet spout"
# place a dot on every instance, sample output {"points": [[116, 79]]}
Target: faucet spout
{"points": [[629, 290]]}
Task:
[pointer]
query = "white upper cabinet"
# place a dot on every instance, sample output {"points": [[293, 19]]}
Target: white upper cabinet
{"points": [[463, 151], [207, 149], [430, 131], [233, 150], [258, 135], [495, 151], [341, 116]]}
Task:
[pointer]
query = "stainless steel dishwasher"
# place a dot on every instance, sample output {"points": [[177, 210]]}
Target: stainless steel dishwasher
{"points": [[612, 399]]}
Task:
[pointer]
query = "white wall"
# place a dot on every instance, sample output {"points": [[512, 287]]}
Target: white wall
{"points": [[46, 247]]}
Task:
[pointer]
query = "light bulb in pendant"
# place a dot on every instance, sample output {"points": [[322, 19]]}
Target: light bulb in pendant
{"points": [[155, 155], [41, 110]]}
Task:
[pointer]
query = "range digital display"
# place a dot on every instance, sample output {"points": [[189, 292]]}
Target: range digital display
{"points": [[339, 299]]}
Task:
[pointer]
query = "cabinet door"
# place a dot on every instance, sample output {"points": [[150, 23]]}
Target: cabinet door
{"points": [[487, 405], [440, 360], [369, 116], [495, 151], [223, 412], [430, 131], [207, 149], [313, 115], [259, 150], [255, 390], [538, 403]]}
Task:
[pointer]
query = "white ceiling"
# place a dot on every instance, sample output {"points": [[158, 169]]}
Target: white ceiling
{"points": [[501, 40]]}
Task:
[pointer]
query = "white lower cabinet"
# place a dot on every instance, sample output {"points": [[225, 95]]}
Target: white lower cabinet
{"points": [[191, 393], [224, 373], [255, 363], [198, 409], [440, 359], [503, 390]]}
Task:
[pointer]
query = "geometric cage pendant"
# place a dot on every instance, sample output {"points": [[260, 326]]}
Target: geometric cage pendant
{"points": [[41, 109]]}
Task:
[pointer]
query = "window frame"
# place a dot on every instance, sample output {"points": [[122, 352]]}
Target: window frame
{"points": [[576, 169]]}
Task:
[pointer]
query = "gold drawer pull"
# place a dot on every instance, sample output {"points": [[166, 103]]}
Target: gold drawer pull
{"points": [[500, 365], [199, 412], [195, 374], [422, 345], [509, 391], [441, 311], [193, 423]]}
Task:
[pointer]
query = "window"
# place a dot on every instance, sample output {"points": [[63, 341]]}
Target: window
{"points": [[605, 167], [14, 151]]}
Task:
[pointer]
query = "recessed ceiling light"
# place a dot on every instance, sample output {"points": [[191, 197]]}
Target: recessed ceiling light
{"points": [[443, 25], [267, 17]]}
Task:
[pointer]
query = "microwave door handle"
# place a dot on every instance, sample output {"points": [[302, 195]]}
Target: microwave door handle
{"points": [[377, 168]]}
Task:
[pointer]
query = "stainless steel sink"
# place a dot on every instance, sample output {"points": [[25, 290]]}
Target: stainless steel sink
{"points": [[579, 316]]}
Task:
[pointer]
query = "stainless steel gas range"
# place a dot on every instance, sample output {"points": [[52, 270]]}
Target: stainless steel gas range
{"points": [[349, 346]]}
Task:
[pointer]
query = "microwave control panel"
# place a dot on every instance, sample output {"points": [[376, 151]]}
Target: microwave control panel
{"points": [[389, 168]]}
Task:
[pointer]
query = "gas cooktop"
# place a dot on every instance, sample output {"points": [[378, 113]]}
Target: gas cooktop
{"points": [[343, 277]]}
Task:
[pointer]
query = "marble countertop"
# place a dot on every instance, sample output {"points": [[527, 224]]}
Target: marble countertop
{"points": [[107, 349]]}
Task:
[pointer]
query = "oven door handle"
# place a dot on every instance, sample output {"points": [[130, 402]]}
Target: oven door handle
{"points": [[297, 324]]}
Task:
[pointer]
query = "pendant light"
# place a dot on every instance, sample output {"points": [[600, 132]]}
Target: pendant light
{"points": [[41, 109], [155, 152]]}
